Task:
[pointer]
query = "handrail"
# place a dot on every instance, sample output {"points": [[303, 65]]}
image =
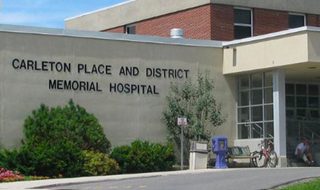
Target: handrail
{"points": [[313, 134]]}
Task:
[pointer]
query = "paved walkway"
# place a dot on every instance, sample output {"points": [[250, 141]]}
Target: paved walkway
{"points": [[69, 181]]}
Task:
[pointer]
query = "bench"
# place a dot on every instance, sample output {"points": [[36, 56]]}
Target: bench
{"points": [[238, 152]]}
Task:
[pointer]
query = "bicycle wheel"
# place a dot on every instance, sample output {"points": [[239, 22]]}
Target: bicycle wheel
{"points": [[259, 159], [273, 159]]}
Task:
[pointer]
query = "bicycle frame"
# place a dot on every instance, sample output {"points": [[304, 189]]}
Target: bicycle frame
{"points": [[265, 152]]}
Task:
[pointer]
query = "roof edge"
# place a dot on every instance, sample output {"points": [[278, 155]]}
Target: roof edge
{"points": [[271, 35], [98, 10]]}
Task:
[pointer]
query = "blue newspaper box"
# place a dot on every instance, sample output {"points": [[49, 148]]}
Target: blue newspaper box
{"points": [[220, 147]]}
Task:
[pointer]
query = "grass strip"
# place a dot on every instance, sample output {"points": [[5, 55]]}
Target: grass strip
{"points": [[311, 185]]}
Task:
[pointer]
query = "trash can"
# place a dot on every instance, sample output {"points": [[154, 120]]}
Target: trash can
{"points": [[198, 156], [220, 147]]}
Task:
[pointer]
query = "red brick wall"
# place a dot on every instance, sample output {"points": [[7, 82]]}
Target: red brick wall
{"points": [[195, 22], [214, 22], [318, 21], [268, 21], [312, 20], [222, 22], [115, 30]]}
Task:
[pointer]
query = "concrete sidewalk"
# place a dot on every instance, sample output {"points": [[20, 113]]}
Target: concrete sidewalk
{"points": [[69, 181]]}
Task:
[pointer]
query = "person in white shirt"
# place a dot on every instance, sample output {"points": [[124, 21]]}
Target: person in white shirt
{"points": [[302, 152]]}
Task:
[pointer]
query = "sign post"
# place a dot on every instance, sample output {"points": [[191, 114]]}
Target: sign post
{"points": [[182, 122]]}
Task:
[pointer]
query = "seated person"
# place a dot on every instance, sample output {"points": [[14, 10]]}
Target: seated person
{"points": [[302, 152]]}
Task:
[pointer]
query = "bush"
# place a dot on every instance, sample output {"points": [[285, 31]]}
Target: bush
{"points": [[99, 164], [71, 123], [143, 156], [54, 142], [17, 159]]}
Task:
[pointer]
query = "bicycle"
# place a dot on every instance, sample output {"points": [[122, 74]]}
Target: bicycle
{"points": [[265, 156]]}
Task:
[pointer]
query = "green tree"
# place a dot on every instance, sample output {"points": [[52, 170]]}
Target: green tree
{"points": [[194, 101]]}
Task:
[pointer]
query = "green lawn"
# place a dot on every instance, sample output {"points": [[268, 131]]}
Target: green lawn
{"points": [[312, 185]]}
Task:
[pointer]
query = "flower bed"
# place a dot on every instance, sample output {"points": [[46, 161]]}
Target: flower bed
{"points": [[11, 176]]}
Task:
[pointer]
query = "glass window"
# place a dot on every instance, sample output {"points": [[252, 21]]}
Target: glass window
{"points": [[242, 32], [255, 104], [301, 112], [243, 115], [269, 129], [290, 101], [268, 79], [290, 89], [244, 82], [243, 131], [268, 112], [296, 20], [290, 113], [313, 102], [313, 90], [244, 98], [268, 95], [256, 97], [256, 80], [314, 114], [242, 16], [257, 130], [242, 23], [301, 101], [256, 113], [301, 89], [131, 29]]}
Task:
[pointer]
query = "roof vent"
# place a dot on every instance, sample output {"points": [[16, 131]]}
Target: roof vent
{"points": [[176, 33]]}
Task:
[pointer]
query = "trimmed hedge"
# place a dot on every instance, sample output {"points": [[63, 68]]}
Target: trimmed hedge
{"points": [[143, 156]]}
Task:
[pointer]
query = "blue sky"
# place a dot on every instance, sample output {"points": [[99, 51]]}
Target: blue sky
{"points": [[47, 13]]}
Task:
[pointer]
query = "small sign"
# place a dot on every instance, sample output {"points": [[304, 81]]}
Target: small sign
{"points": [[182, 121]]}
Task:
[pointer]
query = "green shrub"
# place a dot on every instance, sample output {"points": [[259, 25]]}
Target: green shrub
{"points": [[52, 159], [17, 159], [54, 142], [71, 123], [143, 156], [99, 164]]}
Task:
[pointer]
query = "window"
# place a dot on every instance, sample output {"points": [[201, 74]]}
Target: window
{"points": [[302, 101], [297, 20], [255, 106], [131, 29], [242, 23]]}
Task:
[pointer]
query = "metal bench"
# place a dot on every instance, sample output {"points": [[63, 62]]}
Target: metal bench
{"points": [[238, 152]]}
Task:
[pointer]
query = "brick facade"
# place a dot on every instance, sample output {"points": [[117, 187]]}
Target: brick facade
{"points": [[222, 22], [268, 21], [115, 30], [312, 20], [214, 22], [195, 23]]}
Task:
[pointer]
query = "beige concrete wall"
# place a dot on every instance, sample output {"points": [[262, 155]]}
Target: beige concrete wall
{"points": [[124, 117], [138, 10], [314, 46], [268, 53], [129, 13]]}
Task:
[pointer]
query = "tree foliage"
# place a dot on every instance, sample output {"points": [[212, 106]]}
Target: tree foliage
{"points": [[194, 101]]}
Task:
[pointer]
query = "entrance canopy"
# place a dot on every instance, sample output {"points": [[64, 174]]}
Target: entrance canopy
{"points": [[297, 51]]}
